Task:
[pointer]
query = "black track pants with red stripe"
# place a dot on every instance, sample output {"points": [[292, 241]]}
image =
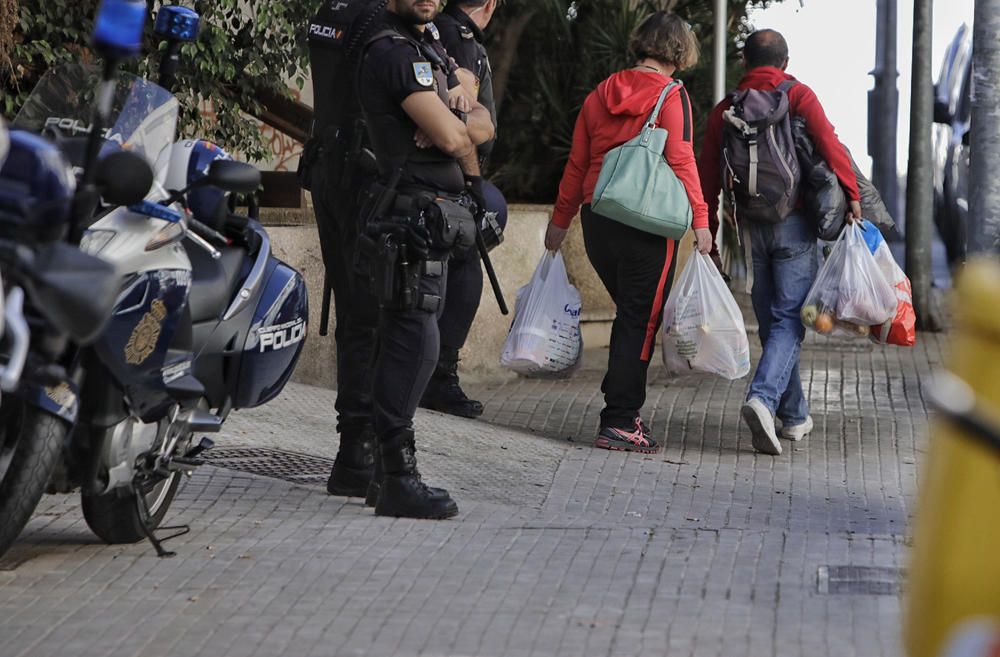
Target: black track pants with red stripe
{"points": [[637, 269]]}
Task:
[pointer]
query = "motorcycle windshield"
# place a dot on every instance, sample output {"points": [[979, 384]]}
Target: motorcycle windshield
{"points": [[143, 115]]}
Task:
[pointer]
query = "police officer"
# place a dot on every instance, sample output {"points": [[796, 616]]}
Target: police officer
{"points": [[460, 27], [332, 171], [404, 96]]}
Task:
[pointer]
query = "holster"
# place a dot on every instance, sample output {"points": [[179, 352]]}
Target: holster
{"points": [[310, 155], [395, 278]]}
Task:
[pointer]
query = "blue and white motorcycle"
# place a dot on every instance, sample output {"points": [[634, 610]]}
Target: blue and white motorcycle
{"points": [[206, 319]]}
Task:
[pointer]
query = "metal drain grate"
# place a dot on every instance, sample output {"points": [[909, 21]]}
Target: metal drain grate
{"points": [[859, 580], [274, 463]]}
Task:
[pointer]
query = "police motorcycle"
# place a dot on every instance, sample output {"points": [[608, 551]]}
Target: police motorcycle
{"points": [[206, 319], [53, 297]]}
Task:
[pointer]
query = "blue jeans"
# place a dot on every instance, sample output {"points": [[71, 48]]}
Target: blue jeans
{"points": [[784, 267]]}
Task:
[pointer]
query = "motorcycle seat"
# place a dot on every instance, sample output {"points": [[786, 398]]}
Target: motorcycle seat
{"points": [[213, 282]]}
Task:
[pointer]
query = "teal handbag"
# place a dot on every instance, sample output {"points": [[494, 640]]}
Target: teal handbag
{"points": [[638, 188]]}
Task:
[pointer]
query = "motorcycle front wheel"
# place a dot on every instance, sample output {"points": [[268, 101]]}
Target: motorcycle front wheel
{"points": [[30, 443]]}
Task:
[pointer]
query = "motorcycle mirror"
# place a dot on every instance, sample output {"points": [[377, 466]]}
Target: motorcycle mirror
{"points": [[232, 176], [75, 291], [123, 178]]}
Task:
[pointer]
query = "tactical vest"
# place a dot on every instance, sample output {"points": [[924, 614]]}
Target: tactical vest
{"points": [[336, 34]]}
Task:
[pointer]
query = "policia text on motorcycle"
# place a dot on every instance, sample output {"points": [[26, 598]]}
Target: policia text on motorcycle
{"points": [[420, 211]]}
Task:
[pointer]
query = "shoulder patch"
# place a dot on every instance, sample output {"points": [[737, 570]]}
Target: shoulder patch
{"points": [[466, 32], [424, 74]]}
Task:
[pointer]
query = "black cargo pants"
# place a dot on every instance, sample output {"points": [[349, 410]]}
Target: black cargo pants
{"points": [[464, 292], [409, 344], [356, 310]]}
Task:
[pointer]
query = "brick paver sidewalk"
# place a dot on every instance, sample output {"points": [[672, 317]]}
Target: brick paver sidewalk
{"points": [[560, 549]]}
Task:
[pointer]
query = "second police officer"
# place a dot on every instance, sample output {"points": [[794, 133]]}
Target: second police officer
{"points": [[460, 27], [416, 217]]}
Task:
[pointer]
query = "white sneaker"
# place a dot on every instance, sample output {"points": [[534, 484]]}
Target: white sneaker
{"points": [[798, 431], [761, 424]]}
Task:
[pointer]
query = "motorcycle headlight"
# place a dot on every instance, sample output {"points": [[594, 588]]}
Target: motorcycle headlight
{"points": [[94, 241]]}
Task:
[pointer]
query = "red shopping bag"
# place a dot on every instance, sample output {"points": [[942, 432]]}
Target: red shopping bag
{"points": [[901, 330]]}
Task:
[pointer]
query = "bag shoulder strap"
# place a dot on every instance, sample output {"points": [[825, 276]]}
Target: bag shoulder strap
{"points": [[655, 116], [651, 124]]}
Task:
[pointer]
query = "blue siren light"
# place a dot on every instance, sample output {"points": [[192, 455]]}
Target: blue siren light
{"points": [[176, 22], [118, 28]]}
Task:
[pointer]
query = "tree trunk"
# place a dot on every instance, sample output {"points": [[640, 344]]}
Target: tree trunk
{"points": [[984, 186], [919, 179], [505, 53], [8, 22]]}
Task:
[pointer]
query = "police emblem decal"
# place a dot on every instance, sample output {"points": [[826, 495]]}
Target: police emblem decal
{"points": [[61, 394], [144, 337], [423, 73]]}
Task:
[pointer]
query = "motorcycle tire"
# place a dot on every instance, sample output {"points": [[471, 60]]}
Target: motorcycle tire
{"points": [[31, 440], [113, 518]]}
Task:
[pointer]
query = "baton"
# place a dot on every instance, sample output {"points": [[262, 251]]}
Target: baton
{"points": [[324, 319], [488, 265]]}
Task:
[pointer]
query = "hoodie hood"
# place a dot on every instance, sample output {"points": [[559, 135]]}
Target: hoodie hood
{"points": [[631, 93], [763, 77]]}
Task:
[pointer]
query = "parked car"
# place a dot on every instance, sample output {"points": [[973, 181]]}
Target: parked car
{"points": [[952, 115]]}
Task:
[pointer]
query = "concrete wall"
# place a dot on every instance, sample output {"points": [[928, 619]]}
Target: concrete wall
{"points": [[293, 236]]}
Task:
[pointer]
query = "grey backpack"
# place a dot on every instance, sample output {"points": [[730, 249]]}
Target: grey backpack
{"points": [[760, 166]]}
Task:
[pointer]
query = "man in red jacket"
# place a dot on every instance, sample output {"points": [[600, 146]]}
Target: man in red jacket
{"points": [[783, 254]]}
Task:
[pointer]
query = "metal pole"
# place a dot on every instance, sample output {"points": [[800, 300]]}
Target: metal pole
{"points": [[883, 106], [984, 185], [719, 41], [919, 180], [719, 50]]}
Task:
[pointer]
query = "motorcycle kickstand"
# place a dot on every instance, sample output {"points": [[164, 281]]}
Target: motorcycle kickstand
{"points": [[142, 514]]}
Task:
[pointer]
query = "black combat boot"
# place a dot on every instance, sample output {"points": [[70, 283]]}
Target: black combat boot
{"points": [[354, 465], [371, 497], [402, 493], [443, 392]]}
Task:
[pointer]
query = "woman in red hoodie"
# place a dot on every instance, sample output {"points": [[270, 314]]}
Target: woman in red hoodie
{"points": [[637, 268]]}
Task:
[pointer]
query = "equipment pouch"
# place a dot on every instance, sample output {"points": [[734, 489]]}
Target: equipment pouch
{"points": [[491, 230], [310, 154], [450, 224], [381, 254]]}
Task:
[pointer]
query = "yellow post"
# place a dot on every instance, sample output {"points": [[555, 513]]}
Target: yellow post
{"points": [[954, 574]]}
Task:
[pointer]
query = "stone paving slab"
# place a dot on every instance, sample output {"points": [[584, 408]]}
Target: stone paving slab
{"points": [[560, 549]]}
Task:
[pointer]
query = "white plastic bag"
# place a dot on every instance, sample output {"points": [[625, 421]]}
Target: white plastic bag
{"points": [[544, 337], [703, 328], [850, 293]]}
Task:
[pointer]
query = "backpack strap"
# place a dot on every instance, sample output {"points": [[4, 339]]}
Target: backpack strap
{"points": [[655, 116], [786, 85]]}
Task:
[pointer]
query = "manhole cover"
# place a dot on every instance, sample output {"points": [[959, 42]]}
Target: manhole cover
{"points": [[859, 580], [274, 463]]}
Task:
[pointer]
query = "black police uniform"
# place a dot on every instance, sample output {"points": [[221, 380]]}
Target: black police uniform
{"points": [[336, 203], [393, 68], [463, 40]]}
